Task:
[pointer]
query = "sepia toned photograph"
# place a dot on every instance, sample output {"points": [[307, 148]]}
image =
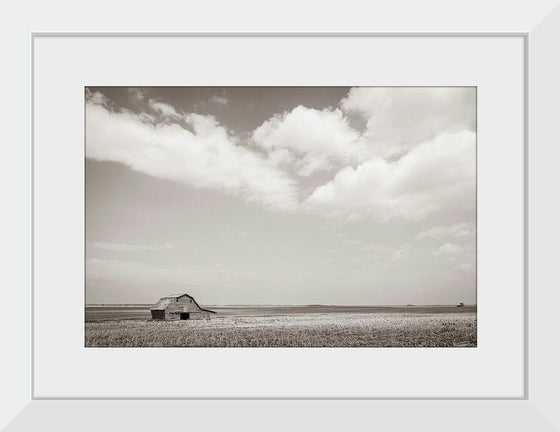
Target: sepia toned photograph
{"points": [[280, 217]]}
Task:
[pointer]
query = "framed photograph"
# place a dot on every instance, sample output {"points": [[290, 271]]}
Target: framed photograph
{"points": [[216, 219], [225, 222]]}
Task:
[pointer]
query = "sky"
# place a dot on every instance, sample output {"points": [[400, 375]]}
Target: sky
{"points": [[279, 195]]}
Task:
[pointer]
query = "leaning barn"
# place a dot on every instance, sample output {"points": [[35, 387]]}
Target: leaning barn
{"points": [[176, 307]]}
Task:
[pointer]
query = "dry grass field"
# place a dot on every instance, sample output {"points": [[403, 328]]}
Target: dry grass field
{"points": [[319, 326]]}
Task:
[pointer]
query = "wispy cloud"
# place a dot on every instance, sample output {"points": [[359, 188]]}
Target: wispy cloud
{"points": [[448, 249], [165, 110], [220, 100], [141, 273], [401, 253], [96, 98], [459, 230], [136, 94], [120, 247]]}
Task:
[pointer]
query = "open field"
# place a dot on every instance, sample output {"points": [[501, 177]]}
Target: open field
{"points": [[286, 326]]}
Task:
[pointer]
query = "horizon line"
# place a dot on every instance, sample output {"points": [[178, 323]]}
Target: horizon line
{"points": [[297, 304]]}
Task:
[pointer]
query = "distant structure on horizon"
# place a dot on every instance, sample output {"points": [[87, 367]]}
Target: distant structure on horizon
{"points": [[175, 307]]}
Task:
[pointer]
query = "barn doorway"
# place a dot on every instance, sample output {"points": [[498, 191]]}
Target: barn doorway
{"points": [[184, 316]]}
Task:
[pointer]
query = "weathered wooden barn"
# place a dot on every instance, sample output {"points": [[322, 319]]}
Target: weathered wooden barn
{"points": [[175, 307]]}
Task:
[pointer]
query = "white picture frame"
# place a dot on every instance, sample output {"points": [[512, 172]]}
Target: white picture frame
{"points": [[534, 410], [64, 64]]}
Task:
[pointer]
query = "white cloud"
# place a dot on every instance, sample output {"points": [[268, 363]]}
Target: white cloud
{"points": [[399, 117], [165, 110], [136, 94], [312, 139], [435, 175], [459, 230], [402, 253], [96, 98], [208, 157], [173, 244], [447, 249], [220, 100]]}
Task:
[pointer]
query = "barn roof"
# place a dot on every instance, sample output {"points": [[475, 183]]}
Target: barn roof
{"points": [[177, 295], [165, 301]]}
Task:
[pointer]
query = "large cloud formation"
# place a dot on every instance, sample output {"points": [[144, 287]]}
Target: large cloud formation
{"points": [[205, 157], [434, 174], [413, 156]]}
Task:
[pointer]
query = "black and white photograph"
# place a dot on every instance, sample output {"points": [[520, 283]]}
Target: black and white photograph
{"points": [[280, 217]]}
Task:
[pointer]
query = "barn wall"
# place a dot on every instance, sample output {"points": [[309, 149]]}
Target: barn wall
{"points": [[174, 315], [174, 310], [196, 316], [158, 314], [183, 305], [201, 315]]}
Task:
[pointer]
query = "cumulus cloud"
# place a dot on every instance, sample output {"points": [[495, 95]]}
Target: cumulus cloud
{"points": [[312, 139], [415, 156], [398, 117], [434, 175], [459, 230], [206, 157]]}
